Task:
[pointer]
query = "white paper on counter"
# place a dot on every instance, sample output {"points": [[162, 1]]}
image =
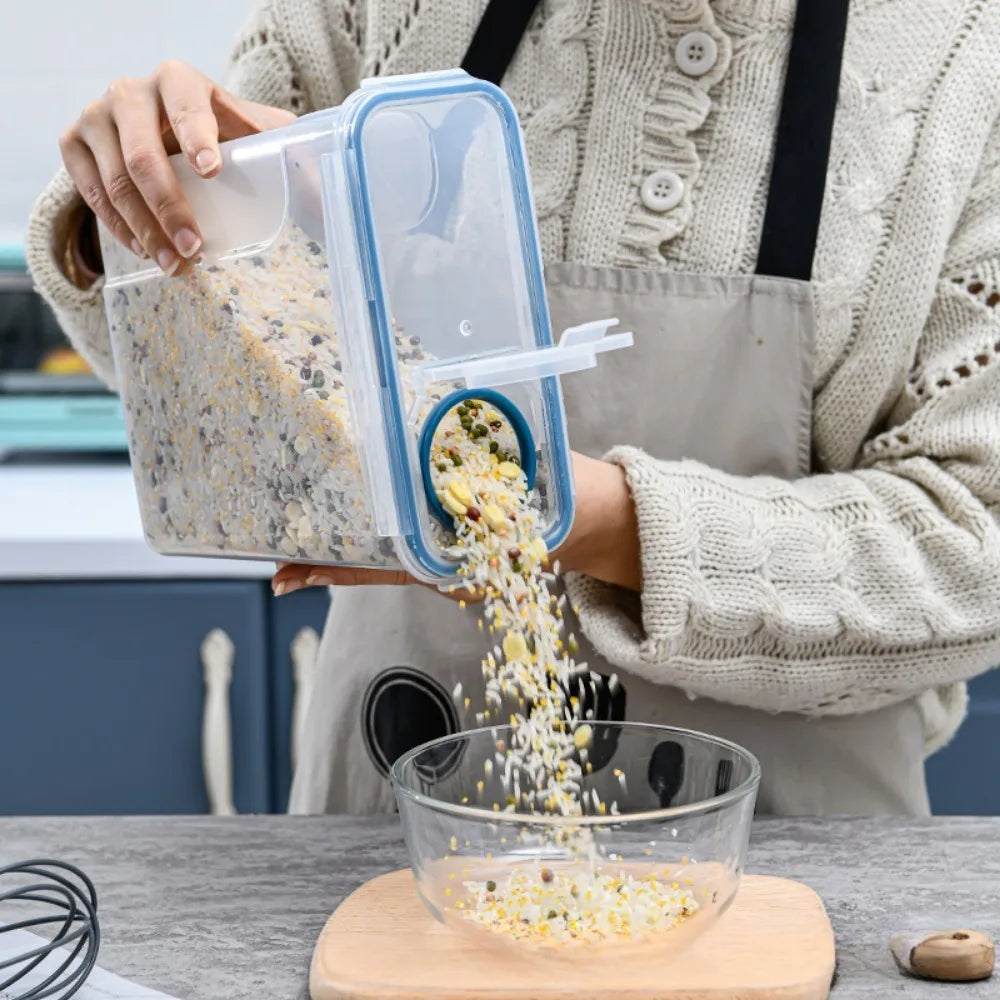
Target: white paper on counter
{"points": [[100, 984]]}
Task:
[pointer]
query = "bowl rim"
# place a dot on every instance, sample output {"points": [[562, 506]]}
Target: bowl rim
{"points": [[702, 807]]}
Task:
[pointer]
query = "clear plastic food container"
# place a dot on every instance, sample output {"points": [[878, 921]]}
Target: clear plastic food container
{"points": [[363, 270]]}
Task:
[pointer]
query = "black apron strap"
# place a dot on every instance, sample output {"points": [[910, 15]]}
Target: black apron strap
{"points": [[496, 39], [802, 147], [805, 126]]}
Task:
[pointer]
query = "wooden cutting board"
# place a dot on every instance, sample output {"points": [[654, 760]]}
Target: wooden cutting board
{"points": [[774, 943]]}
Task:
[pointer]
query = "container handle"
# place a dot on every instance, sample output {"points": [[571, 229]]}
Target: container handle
{"points": [[217, 653], [411, 80], [576, 351], [304, 652]]}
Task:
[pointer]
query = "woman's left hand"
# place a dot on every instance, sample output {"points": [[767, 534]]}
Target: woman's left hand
{"points": [[603, 543]]}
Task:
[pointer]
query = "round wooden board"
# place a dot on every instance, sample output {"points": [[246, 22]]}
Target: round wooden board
{"points": [[774, 943]]}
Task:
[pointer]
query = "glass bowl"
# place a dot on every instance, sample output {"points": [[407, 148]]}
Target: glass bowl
{"points": [[652, 860]]}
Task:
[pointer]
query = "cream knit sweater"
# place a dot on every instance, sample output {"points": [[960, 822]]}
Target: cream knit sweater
{"points": [[876, 579]]}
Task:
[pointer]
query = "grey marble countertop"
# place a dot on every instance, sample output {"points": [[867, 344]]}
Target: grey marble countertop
{"points": [[222, 909]]}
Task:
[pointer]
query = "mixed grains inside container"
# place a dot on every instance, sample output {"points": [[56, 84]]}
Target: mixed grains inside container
{"points": [[240, 428], [530, 673]]}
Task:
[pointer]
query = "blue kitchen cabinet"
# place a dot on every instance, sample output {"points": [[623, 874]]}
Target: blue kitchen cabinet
{"points": [[102, 696], [288, 617], [964, 777], [102, 700]]}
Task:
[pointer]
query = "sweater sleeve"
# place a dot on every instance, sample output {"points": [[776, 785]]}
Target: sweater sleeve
{"points": [[262, 68], [844, 592]]}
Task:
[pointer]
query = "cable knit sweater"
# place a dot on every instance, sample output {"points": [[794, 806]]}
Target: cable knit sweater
{"points": [[877, 578]]}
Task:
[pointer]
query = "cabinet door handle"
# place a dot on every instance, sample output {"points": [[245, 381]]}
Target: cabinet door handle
{"points": [[305, 647], [217, 652]]}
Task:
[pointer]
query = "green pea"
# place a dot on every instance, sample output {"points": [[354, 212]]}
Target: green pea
{"points": [[494, 447]]}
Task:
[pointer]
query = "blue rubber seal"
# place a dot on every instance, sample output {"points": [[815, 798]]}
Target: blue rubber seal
{"points": [[406, 488], [525, 442]]}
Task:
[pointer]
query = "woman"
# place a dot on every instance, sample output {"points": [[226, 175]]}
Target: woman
{"points": [[788, 489]]}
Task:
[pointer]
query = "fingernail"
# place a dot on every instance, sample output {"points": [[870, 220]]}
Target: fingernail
{"points": [[319, 580], [137, 248], [206, 160], [280, 589], [168, 261], [187, 242]]}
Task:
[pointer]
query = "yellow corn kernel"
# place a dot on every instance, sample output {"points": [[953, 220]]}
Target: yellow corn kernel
{"points": [[494, 517], [461, 492], [453, 506], [514, 646]]}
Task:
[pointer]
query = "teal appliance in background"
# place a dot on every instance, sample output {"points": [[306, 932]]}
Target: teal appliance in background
{"points": [[49, 402]]}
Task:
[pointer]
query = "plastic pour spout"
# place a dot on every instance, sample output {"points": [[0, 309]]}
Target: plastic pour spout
{"points": [[577, 350], [498, 401]]}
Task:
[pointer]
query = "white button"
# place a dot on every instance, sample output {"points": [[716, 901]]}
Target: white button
{"points": [[697, 53], [662, 191]]}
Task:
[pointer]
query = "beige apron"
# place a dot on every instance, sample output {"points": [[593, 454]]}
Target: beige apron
{"points": [[721, 371]]}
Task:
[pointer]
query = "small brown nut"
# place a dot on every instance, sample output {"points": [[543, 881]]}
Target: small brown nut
{"points": [[957, 956]]}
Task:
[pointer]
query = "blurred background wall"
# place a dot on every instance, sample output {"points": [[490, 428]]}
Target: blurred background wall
{"points": [[55, 55]]}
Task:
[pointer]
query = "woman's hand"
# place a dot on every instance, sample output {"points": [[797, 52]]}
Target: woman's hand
{"points": [[604, 541], [116, 153], [295, 576]]}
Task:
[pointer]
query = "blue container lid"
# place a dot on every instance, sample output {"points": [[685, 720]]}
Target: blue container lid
{"points": [[441, 209]]}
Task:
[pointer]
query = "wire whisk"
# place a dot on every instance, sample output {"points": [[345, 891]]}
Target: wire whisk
{"points": [[66, 901]]}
